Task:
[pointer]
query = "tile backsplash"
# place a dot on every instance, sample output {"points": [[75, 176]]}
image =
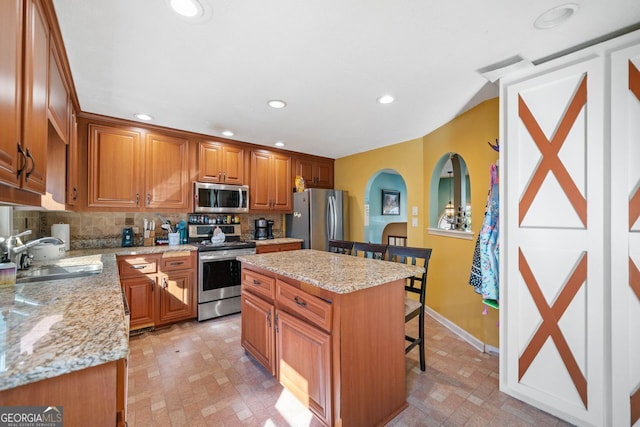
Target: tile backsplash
{"points": [[92, 230]]}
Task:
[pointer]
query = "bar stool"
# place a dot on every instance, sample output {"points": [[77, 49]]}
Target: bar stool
{"points": [[412, 307], [370, 250], [340, 246]]}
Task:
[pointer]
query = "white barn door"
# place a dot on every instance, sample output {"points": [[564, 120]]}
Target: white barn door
{"points": [[552, 278], [625, 236]]}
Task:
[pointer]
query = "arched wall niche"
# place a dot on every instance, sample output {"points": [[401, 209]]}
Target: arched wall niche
{"points": [[385, 179], [450, 195]]}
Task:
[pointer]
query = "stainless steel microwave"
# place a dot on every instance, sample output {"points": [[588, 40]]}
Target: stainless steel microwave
{"points": [[220, 198]]}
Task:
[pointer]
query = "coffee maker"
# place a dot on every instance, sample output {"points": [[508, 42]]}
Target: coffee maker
{"points": [[269, 229], [261, 229]]}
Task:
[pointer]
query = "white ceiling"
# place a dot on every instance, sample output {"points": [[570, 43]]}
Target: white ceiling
{"points": [[329, 60]]}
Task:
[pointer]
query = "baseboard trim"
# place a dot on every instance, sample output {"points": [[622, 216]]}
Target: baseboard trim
{"points": [[464, 335]]}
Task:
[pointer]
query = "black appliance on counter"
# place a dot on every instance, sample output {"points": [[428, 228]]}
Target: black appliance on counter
{"points": [[263, 229], [219, 274], [127, 237]]}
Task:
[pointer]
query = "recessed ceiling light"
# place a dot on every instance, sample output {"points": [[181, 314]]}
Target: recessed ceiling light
{"points": [[386, 99], [187, 8], [277, 103], [279, 144], [143, 116], [227, 133], [555, 16]]}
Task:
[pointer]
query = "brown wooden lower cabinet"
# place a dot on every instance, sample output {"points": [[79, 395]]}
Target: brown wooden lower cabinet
{"points": [[93, 396], [340, 354], [305, 352], [160, 288]]}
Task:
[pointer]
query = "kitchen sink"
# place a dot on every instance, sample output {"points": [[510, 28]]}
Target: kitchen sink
{"points": [[56, 272]]}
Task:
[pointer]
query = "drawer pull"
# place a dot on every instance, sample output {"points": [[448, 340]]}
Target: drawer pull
{"points": [[300, 302], [256, 282], [176, 263], [139, 267]]}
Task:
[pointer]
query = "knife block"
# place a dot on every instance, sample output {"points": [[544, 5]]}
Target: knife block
{"points": [[151, 240]]}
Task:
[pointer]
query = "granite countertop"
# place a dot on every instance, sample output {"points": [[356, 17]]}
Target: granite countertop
{"points": [[51, 328], [132, 250], [337, 273], [278, 241], [55, 327]]}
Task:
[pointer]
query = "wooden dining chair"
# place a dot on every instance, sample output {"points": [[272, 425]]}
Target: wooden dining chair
{"points": [[341, 246], [370, 250], [416, 285]]}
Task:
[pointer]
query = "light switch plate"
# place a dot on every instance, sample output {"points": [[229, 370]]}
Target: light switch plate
{"points": [[414, 210]]}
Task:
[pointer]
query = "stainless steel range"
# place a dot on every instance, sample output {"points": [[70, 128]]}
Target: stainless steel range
{"points": [[218, 270]]}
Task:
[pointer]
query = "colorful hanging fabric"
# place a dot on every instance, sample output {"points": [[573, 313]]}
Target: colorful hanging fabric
{"points": [[475, 279], [489, 242], [484, 268]]}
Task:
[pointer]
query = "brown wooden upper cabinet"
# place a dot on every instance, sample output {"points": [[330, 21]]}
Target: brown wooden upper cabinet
{"points": [[59, 104], [73, 184], [220, 163], [270, 187], [317, 172], [24, 43], [152, 170]]}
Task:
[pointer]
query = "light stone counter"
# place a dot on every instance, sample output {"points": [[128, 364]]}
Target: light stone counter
{"points": [[337, 273], [52, 328]]}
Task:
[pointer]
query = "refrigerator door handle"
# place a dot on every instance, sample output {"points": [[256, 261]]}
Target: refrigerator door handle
{"points": [[332, 217]]}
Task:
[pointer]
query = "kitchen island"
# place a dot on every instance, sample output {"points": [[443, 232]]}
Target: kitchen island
{"points": [[330, 328], [61, 338]]}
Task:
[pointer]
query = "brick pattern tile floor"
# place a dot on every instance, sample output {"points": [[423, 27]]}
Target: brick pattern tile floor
{"points": [[197, 374]]}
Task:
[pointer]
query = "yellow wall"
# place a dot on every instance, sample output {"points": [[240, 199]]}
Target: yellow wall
{"points": [[353, 173], [448, 290]]}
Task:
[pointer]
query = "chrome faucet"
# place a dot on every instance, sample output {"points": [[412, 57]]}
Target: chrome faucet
{"points": [[15, 251]]}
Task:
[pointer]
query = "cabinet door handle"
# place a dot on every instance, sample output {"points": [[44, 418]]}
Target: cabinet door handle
{"points": [[219, 175], [148, 199], [300, 301], [224, 176], [24, 158], [75, 194], [33, 164], [269, 319], [276, 323], [153, 283], [137, 199], [164, 282]]}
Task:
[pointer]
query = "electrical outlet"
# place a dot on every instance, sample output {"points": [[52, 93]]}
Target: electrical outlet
{"points": [[414, 222]]}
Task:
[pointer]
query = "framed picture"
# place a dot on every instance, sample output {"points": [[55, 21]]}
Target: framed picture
{"points": [[390, 202]]}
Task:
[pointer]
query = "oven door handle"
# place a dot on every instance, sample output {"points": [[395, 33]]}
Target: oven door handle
{"points": [[224, 258]]}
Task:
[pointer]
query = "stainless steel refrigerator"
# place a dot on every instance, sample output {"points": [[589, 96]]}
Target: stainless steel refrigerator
{"points": [[318, 216]]}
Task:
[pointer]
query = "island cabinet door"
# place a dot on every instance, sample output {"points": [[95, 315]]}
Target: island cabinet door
{"points": [[257, 336], [304, 363]]}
